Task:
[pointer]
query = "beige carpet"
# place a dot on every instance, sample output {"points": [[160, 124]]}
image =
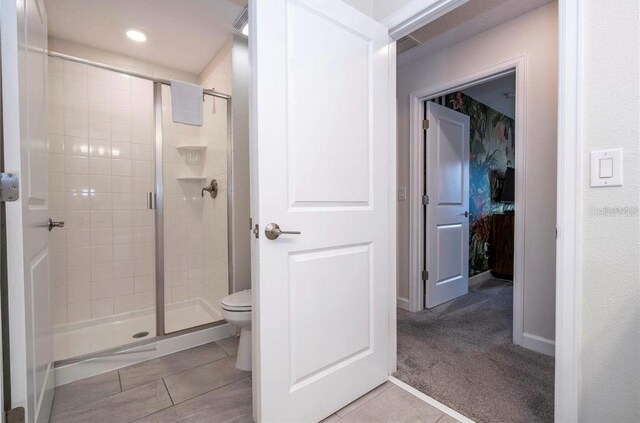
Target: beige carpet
{"points": [[461, 354]]}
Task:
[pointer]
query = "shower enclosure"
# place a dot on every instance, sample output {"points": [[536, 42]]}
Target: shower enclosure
{"points": [[145, 249]]}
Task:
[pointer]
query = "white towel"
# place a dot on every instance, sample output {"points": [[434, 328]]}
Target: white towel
{"points": [[186, 103]]}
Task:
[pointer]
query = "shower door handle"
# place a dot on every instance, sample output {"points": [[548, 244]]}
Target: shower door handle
{"points": [[272, 231], [151, 204], [53, 224]]}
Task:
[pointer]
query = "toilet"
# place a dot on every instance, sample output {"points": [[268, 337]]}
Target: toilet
{"points": [[236, 309]]}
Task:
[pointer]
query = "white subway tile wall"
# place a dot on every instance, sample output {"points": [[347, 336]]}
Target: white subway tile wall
{"points": [[100, 131]]}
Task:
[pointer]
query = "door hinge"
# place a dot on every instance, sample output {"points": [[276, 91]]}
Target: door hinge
{"points": [[425, 200], [425, 124], [251, 223], [15, 415], [256, 231], [9, 187], [425, 275]]}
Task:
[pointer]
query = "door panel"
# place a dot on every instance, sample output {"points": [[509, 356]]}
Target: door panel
{"points": [[321, 299], [323, 172], [319, 340], [24, 62], [447, 228]]}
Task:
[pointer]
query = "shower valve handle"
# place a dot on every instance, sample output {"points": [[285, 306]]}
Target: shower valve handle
{"points": [[212, 189]]}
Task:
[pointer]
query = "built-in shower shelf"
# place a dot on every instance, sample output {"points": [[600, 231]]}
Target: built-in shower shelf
{"points": [[191, 178], [192, 147]]}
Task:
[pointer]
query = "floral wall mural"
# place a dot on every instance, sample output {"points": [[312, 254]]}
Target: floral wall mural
{"points": [[492, 148]]}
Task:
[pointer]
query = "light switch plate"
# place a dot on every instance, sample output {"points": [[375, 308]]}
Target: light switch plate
{"points": [[606, 168], [402, 194]]}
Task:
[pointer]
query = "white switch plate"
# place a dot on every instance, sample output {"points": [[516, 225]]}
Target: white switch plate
{"points": [[606, 168], [402, 194]]}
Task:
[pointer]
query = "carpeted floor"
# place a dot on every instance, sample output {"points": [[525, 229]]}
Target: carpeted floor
{"points": [[461, 354]]}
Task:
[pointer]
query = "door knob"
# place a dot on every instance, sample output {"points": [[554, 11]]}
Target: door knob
{"points": [[273, 231], [465, 214], [53, 224]]}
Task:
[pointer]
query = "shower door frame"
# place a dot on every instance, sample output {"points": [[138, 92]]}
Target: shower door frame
{"points": [[157, 205]]}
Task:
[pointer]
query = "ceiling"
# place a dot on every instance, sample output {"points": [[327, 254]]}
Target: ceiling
{"points": [[499, 94], [182, 34], [470, 19]]}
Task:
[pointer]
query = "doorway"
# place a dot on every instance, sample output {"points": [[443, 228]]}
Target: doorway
{"points": [[444, 68], [463, 342]]}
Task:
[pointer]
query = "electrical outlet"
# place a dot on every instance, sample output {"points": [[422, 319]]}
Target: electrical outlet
{"points": [[402, 194]]}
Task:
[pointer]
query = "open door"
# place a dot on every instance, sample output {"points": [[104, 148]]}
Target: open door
{"points": [[24, 97], [447, 225], [321, 112]]}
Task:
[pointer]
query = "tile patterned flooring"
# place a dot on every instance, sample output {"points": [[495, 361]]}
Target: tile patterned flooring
{"points": [[202, 384]]}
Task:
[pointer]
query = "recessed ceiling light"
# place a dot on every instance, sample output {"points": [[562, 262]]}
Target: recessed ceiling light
{"points": [[137, 35]]}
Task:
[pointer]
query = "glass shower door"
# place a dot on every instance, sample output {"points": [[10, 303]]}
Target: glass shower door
{"points": [[101, 162], [196, 273]]}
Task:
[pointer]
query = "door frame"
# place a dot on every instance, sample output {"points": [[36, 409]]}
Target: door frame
{"points": [[569, 198], [416, 173]]}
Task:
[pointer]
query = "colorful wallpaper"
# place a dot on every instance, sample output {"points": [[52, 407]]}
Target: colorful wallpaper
{"points": [[492, 148]]}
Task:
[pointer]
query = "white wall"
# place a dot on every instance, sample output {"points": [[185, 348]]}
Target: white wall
{"points": [[610, 350], [125, 62], [229, 72], [534, 35]]}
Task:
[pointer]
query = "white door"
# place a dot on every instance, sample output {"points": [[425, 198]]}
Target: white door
{"points": [[447, 226], [24, 72], [321, 128]]}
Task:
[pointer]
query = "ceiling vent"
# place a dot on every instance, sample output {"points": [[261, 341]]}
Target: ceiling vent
{"points": [[242, 19], [405, 43]]}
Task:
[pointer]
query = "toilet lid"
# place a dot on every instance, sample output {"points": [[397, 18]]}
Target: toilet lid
{"points": [[238, 301]]}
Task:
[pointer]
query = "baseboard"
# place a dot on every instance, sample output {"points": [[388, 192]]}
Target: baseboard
{"points": [[480, 278], [539, 344], [403, 303], [94, 366]]}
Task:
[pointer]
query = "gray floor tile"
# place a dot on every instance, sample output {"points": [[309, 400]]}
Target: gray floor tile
{"points": [[85, 391], [363, 399], [229, 345], [197, 381], [447, 419], [394, 405], [160, 367], [231, 403], [124, 407]]}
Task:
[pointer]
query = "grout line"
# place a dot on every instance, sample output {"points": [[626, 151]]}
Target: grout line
{"points": [[371, 396], [223, 350], [429, 400], [168, 392], [120, 380], [215, 389], [175, 373]]}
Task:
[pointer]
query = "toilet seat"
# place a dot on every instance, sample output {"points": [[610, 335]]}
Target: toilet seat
{"points": [[240, 301]]}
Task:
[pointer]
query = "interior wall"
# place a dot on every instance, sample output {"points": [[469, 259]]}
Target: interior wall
{"points": [[492, 148], [229, 72], [610, 288], [534, 35], [125, 62]]}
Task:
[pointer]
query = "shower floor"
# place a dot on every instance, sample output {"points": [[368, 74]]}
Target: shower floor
{"points": [[77, 339]]}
